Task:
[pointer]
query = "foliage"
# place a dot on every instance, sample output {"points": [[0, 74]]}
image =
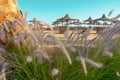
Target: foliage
{"points": [[30, 57]]}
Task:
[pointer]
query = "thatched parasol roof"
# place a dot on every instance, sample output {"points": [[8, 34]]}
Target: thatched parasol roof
{"points": [[89, 20], [114, 20], [66, 18], [34, 20], [105, 23], [103, 18], [78, 22], [96, 22], [58, 21], [40, 23]]}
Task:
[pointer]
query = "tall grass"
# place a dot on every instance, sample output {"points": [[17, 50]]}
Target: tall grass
{"points": [[74, 59]]}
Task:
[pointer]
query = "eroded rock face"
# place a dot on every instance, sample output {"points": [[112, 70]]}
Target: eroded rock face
{"points": [[8, 10], [8, 6]]}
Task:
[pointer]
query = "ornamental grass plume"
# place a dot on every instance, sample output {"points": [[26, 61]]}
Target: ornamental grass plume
{"points": [[6, 27], [62, 46], [83, 64], [118, 74], [16, 40], [104, 42], [91, 62], [111, 12], [2, 35], [36, 40], [28, 59], [3, 71], [41, 55], [3, 74], [109, 37], [107, 53], [71, 34], [54, 71]]}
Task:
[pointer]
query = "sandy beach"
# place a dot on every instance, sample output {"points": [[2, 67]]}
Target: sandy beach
{"points": [[62, 36]]}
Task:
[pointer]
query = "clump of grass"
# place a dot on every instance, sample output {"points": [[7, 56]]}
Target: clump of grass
{"points": [[76, 58]]}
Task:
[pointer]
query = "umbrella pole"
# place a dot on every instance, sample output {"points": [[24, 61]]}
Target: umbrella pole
{"points": [[67, 29]]}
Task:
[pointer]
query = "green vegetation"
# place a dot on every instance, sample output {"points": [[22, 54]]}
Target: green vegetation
{"points": [[33, 54], [34, 70]]}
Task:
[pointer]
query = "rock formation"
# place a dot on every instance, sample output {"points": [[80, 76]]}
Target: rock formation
{"points": [[9, 9]]}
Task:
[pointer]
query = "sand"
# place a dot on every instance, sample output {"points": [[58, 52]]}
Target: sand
{"points": [[91, 36]]}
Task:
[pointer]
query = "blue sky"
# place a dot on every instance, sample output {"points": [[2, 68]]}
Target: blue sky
{"points": [[49, 10]]}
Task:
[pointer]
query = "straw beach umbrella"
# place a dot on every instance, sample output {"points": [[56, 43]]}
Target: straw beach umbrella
{"points": [[58, 21], [34, 20], [89, 21], [39, 23], [65, 21], [114, 20], [103, 18], [67, 18], [78, 23]]}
